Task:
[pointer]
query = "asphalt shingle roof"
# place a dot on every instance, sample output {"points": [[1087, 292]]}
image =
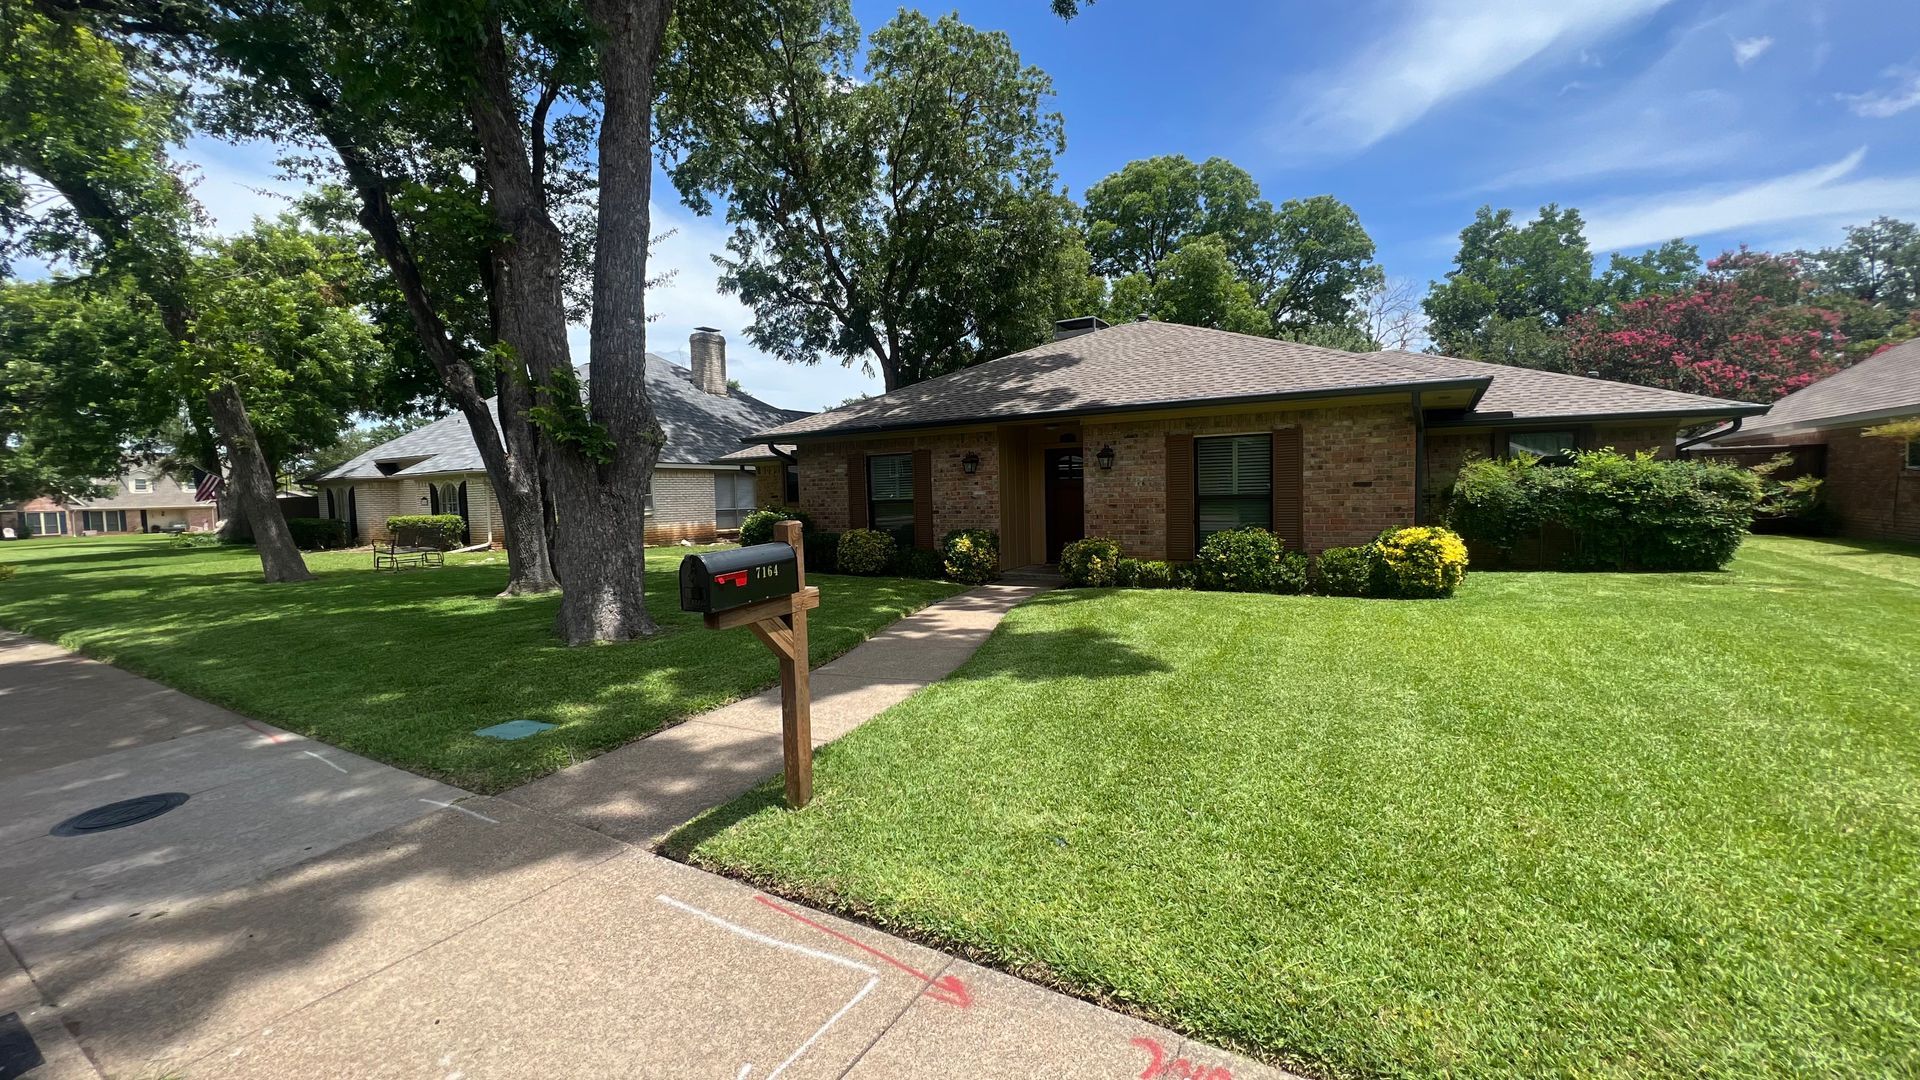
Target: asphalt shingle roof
{"points": [[699, 427], [1144, 365], [1878, 387]]}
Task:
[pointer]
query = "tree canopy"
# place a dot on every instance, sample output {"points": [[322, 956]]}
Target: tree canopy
{"points": [[904, 218]]}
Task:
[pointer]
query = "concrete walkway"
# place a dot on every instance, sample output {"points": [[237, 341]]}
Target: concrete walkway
{"points": [[474, 937], [646, 789]]}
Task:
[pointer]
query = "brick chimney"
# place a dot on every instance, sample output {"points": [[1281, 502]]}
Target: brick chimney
{"points": [[709, 352]]}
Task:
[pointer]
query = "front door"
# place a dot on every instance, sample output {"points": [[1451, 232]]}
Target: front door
{"points": [[1066, 500]]}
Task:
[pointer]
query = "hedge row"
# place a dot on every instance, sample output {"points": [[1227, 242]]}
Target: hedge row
{"points": [[1415, 562], [445, 531], [1610, 511]]}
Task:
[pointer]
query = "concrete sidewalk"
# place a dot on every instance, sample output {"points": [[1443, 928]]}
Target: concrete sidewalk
{"points": [[476, 937]]}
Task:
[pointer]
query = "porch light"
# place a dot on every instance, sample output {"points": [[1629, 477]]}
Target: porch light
{"points": [[970, 464], [1105, 457]]}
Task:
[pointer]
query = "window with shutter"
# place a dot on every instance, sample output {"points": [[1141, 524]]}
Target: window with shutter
{"points": [[890, 495], [1233, 483], [732, 499]]}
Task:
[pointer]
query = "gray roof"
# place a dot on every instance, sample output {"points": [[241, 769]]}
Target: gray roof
{"points": [[1146, 365], [1878, 388], [699, 427], [757, 452]]}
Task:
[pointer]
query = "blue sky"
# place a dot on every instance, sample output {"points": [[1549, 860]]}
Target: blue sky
{"points": [[1770, 122]]}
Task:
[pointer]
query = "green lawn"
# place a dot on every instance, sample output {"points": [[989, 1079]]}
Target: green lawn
{"points": [[1561, 825], [404, 667]]}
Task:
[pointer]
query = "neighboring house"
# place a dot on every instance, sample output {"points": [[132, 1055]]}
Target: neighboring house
{"points": [[1156, 435], [437, 468], [1872, 482], [143, 499]]}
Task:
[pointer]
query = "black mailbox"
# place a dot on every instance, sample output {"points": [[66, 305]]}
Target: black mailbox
{"points": [[724, 580]]}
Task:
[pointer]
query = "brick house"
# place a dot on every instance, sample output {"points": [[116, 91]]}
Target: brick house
{"points": [[1155, 435], [1872, 483], [143, 498], [437, 468]]}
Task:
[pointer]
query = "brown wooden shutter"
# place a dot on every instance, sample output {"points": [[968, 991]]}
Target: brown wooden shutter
{"points": [[1179, 497], [1289, 489], [856, 490], [923, 499]]}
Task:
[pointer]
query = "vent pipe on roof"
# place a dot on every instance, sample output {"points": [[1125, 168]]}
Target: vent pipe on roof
{"points": [[1085, 324], [708, 351]]}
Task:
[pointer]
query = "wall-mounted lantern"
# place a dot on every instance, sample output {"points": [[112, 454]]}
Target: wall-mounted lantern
{"points": [[1105, 457], [970, 464]]}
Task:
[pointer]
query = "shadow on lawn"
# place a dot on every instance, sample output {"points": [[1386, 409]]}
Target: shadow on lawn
{"points": [[1078, 652], [405, 668]]}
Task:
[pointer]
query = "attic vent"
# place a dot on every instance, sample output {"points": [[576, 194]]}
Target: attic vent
{"points": [[387, 468]]}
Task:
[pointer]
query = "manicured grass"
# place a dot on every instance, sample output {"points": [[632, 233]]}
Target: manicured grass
{"points": [[1561, 825], [404, 667]]}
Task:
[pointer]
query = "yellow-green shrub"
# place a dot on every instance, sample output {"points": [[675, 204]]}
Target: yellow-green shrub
{"points": [[864, 551], [1093, 563], [1421, 561], [972, 556]]}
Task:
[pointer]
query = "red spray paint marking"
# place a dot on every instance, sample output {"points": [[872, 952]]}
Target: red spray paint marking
{"points": [[272, 735], [1159, 1066], [947, 988]]}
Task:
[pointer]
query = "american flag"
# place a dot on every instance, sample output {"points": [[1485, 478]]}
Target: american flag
{"points": [[208, 489]]}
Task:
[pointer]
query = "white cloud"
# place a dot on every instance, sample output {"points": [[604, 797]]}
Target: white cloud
{"points": [[1819, 194], [237, 183], [1442, 49], [1747, 50], [1881, 105]]}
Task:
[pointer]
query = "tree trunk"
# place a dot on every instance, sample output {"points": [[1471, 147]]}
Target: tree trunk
{"points": [[598, 493], [513, 475], [251, 486]]}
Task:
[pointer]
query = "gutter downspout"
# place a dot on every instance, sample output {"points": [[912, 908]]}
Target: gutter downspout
{"points": [[1686, 444], [788, 458], [1419, 461]]}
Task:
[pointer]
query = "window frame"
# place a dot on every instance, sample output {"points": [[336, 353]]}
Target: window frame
{"points": [[730, 516], [790, 483], [106, 517], [1201, 498], [894, 503], [140, 485], [1913, 453], [39, 517], [1572, 441]]}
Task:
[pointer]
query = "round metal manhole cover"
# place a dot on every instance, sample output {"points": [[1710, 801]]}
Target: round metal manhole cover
{"points": [[119, 815]]}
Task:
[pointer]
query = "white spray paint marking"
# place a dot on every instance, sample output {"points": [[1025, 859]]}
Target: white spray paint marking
{"points": [[831, 1020], [323, 761], [873, 977], [462, 809], [755, 935]]}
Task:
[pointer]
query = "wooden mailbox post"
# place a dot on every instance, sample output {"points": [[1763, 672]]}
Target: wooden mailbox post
{"points": [[781, 623]]}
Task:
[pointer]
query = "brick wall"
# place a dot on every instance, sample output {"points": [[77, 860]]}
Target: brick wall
{"points": [[1357, 466], [1659, 438], [1446, 453], [960, 500], [768, 486], [1869, 487]]}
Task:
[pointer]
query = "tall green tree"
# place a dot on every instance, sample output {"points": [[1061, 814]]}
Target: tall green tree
{"points": [[904, 218], [1672, 267], [1877, 264], [85, 376], [1305, 263], [1196, 285], [76, 119], [1540, 272]]}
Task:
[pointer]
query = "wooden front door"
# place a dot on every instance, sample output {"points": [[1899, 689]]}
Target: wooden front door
{"points": [[1066, 500]]}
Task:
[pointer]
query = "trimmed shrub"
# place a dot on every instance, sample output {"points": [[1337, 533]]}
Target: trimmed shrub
{"points": [[1184, 576], [1420, 562], [757, 527], [920, 563], [864, 551], [7, 571], [1093, 563], [971, 556], [1621, 512], [443, 531], [1292, 572], [823, 551], [194, 540], [317, 534], [1348, 571], [1240, 560]]}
